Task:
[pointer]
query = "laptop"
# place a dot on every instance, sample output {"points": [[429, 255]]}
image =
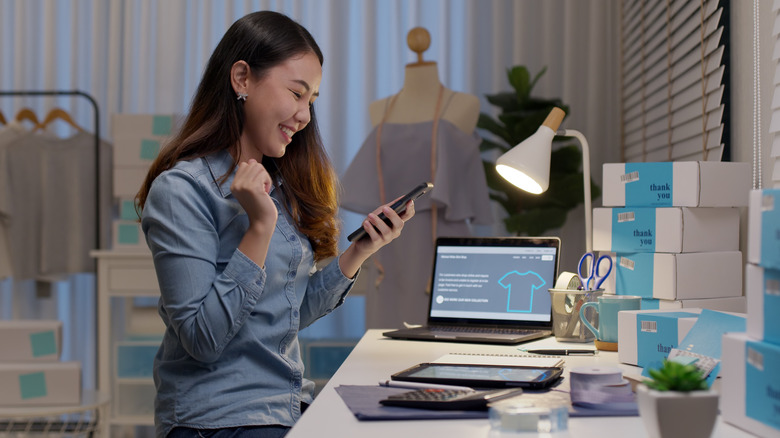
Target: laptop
{"points": [[489, 290]]}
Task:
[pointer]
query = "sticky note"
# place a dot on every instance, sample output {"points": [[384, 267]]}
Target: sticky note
{"points": [[149, 149], [43, 343], [127, 210], [32, 385], [161, 125], [128, 234]]}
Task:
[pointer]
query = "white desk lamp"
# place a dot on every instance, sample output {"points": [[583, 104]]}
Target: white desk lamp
{"points": [[527, 165]]}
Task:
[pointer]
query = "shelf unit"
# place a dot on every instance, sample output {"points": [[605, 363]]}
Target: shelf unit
{"points": [[129, 333]]}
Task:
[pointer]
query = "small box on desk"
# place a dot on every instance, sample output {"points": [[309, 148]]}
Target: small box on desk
{"points": [[670, 230], [729, 304], [764, 228], [28, 340], [762, 289], [645, 337], [749, 387], [40, 383], [684, 276], [675, 184]]}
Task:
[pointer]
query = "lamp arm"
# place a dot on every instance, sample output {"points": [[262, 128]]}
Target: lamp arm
{"points": [[586, 183]]}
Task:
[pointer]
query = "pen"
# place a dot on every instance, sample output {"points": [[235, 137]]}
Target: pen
{"points": [[420, 385], [563, 352]]}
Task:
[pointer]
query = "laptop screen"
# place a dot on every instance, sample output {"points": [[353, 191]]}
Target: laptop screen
{"points": [[494, 280]]}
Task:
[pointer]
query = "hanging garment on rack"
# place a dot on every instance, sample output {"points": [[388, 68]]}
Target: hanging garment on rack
{"points": [[9, 134], [50, 203], [460, 194]]}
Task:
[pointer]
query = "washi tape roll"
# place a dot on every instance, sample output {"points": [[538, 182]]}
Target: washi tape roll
{"points": [[601, 387]]}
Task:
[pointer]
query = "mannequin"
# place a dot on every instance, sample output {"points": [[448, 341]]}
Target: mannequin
{"points": [[416, 102], [425, 132]]}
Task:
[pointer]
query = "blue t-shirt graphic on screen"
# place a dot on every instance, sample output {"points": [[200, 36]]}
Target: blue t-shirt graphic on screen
{"points": [[520, 290]]}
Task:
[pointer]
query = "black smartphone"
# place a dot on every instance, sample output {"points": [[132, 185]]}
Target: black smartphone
{"points": [[481, 376], [398, 206]]}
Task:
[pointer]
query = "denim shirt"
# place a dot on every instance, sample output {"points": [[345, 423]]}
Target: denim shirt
{"points": [[230, 354]]}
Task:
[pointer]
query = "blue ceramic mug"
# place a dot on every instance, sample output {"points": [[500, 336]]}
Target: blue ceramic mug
{"points": [[607, 307]]}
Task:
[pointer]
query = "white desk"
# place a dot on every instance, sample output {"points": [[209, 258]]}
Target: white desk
{"points": [[376, 357]]}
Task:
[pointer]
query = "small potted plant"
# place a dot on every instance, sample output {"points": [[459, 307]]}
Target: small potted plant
{"points": [[677, 402]]}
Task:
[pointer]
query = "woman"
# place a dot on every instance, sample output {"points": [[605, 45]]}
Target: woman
{"points": [[236, 210]]}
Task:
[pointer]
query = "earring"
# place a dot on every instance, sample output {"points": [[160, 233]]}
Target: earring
{"points": [[242, 96]]}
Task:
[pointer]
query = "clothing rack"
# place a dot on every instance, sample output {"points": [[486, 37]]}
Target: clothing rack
{"points": [[93, 102]]}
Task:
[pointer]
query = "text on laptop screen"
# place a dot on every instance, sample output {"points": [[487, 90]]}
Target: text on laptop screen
{"points": [[493, 282]]}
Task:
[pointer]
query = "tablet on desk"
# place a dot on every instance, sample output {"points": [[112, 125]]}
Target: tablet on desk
{"points": [[481, 376]]}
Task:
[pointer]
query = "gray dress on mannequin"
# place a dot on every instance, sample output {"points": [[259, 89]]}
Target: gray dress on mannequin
{"points": [[459, 197]]}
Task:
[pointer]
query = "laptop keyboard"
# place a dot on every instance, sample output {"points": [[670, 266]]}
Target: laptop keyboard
{"points": [[494, 330]]}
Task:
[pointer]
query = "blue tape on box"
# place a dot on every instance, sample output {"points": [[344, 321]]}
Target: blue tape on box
{"points": [[656, 335], [653, 186], [771, 290], [762, 382], [634, 274], [633, 229], [770, 228]]}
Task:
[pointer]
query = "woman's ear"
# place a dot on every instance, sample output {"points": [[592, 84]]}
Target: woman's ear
{"points": [[239, 77]]}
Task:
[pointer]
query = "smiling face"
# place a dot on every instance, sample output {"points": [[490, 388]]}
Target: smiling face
{"points": [[278, 105]]}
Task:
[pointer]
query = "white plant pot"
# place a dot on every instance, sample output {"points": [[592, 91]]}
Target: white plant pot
{"points": [[671, 414]]}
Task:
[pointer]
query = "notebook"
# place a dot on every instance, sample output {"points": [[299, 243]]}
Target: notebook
{"points": [[489, 290]]}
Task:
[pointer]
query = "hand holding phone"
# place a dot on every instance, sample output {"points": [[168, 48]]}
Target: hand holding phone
{"points": [[398, 206]]}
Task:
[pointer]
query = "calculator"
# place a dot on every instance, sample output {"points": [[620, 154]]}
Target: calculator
{"points": [[449, 399]]}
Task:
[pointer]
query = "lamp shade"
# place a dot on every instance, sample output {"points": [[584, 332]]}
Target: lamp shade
{"points": [[527, 165]]}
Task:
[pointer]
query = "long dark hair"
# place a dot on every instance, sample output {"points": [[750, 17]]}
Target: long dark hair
{"points": [[264, 40]]}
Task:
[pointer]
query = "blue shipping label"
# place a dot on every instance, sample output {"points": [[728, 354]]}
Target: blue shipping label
{"points": [[634, 274], [771, 305], [770, 228], [43, 343], [633, 229], [656, 335], [762, 383], [653, 185], [32, 385]]}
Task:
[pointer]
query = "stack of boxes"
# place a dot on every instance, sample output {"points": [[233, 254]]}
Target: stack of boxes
{"points": [[31, 372], [750, 390], [137, 141], [673, 231]]}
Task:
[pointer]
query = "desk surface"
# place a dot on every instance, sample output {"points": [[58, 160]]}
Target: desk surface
{"points": [[376, 358]]}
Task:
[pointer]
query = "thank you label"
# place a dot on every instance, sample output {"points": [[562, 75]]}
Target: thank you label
{"points": [[762, 383], [656, 335], [653, 185], [633, 229]]}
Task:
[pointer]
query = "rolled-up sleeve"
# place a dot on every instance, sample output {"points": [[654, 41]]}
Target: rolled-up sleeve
{"points": [[205, 307], [327, 289]]}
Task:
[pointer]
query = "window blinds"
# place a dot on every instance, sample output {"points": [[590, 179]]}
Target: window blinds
{"points": [[774, 125], [672, 71]]}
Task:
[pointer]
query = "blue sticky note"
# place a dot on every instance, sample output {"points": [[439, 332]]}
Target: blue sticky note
{"points": [[161, 125], [653, 187], [127, 210], [128, 234], [43, 343], [32, 385], [149, 149]]}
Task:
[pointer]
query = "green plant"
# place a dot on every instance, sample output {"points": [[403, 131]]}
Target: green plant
{"points": [[674, 376], [520, 116]]}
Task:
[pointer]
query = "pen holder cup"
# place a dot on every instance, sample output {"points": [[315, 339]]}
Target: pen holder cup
{"points": [[566, 303]]}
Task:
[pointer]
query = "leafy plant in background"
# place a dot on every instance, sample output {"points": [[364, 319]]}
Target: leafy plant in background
{"points": [[674, 376], [519, 117]]}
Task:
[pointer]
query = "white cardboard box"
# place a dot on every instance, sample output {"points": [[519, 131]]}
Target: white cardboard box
{"points": [[645, 337], [762, 289], [730, 304], [27, 340], [40, 383], [672, 229], [749, 384], [683, 276], [680, 184], [128, 179], [764, 228]]}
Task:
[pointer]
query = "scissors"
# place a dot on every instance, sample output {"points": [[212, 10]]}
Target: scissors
{"points": [[593, 280]]}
